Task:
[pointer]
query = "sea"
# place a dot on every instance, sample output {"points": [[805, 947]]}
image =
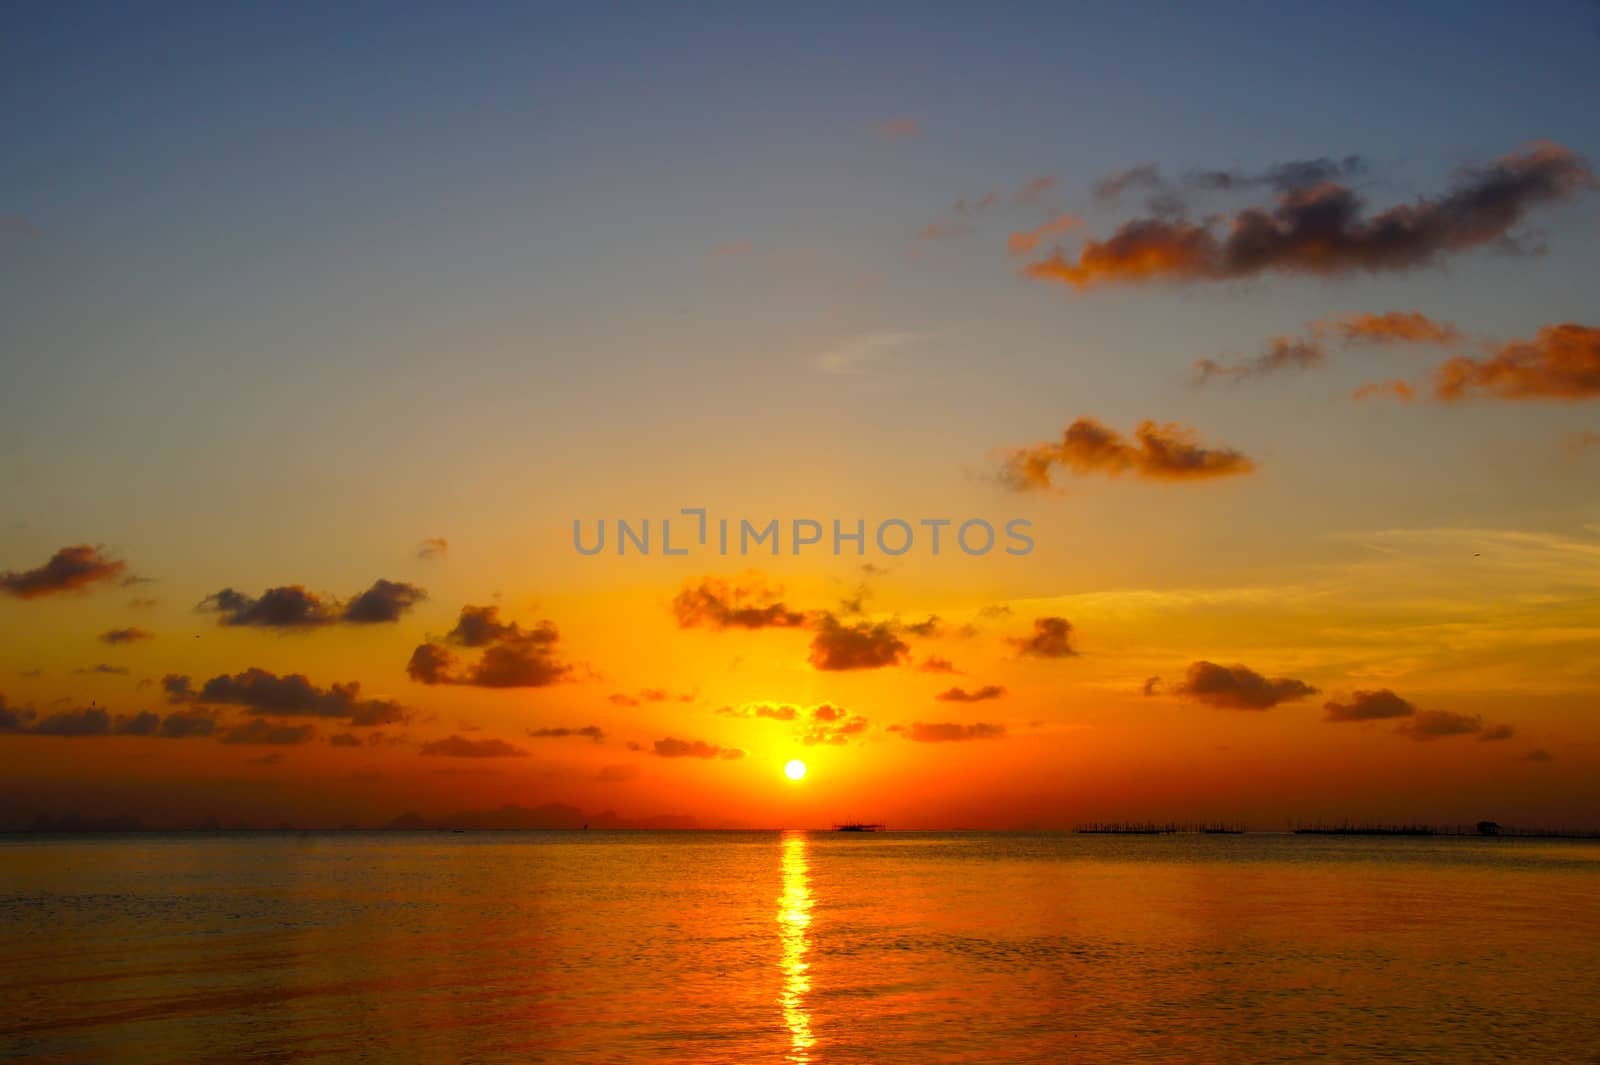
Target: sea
{"points": [[802, 947]]}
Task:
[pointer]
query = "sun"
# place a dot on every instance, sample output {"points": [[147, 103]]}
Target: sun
{"points": [[795, 769]]}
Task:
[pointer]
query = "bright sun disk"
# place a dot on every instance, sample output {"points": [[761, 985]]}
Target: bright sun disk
{"points": [[795, 769]]}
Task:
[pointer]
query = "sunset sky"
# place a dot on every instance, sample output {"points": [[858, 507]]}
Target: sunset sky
{"points": [[320, 330]]}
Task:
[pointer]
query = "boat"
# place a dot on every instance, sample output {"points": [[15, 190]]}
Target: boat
{"points": [[858, 826]]}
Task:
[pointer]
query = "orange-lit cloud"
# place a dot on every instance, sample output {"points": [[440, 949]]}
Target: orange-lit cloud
{"points": [[1024, 241], [1311, 349], [937, 664], [831, 725], [1051, 638], [465, 747], [128, 635], [291, 607], [1395, 387], [1390, 327], [1323, 229], [898, 129], [746, 602], [948, 731], [976, 695], [766, 710], [1158, 452], [259, 691], [69, 569], [1237, 687], [672, 747], [513, 657], [1562, 362], [1281, 353]]}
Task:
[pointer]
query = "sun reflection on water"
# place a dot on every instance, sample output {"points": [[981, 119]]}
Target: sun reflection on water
{"points": [[794, 921]]}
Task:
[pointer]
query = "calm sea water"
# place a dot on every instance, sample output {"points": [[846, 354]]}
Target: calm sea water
{"points": [[806, 948]]}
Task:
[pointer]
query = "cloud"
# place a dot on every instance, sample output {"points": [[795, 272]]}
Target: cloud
{"points": [[856, 353], [746, 602], [943, 230], [1152, 686], [766, 710], [937, 664], [291, 695], [1538, 754], [291, 607], [462, 747], [346, 739], [1311, 350], [1109, 189], [186, 724], [1374, 705], [1159, 453], [1377, 389], [1024, 241], [727, 248], [259, 732], [1323, 229], [128, 635], [69, 569], [862, 645], [1579, 442], [1435, 724], [899, 129], [950, 732], [672, 747], [91, 721], [592, 732], [830, 725], [1494, 733], [1051, 638], [115, 671], [1281, 353], [1283, 177], [513, 657], [977, 695], [142, 604], [1562, 362], [1238, 687], [1035, 189], [433, 547]]}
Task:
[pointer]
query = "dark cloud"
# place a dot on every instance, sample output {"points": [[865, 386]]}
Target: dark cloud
{"points": [[862, 645], [1493, 733], [746, 602], [115, 671], [937, 664], [69, 569], [291, 607], [977, 695], [1281, 353], [291, 695], [1051, 638], [187, 724], [1369, 706], [1109, 189], [1238, 687], [1323, 229], [128, 635], [257, 732], [433, 547], [513, 657], [1538, 754], [951, 732], [346, 739], [592, 732], [1284, 177], [1562, 363], [462, 747], [1158, 452], [1436, 724], [672, 747]]}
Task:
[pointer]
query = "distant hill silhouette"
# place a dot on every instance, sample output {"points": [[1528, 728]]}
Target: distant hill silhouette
{"points": [[512, 817]]}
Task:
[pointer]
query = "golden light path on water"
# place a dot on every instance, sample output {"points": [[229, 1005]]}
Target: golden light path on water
{"points": [[794, 922]]}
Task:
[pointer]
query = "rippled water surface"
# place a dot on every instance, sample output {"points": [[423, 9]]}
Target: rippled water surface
{"points": [[822, 948]]}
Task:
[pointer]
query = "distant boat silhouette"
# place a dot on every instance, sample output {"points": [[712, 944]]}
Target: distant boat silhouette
{"points": [[858, 826]]}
